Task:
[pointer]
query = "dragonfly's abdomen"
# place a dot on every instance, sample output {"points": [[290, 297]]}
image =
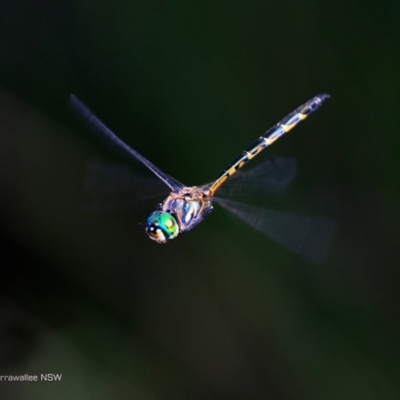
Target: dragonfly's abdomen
{"points": [[269, 137]]}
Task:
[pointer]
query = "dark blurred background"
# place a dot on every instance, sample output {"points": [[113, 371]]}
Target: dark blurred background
{"points": [[222, 312]]}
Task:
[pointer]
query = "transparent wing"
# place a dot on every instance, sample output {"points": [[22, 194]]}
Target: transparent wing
{"points": [[110, 185], [108, 137], [272, 176], [305, 235]]}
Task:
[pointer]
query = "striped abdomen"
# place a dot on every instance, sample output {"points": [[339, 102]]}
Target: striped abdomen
{"points": [[269, 137]]}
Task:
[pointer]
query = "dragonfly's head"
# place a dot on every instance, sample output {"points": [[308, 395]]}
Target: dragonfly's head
{"points": [[161, 227]]}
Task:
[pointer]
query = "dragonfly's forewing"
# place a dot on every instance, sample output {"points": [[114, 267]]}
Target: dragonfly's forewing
{"points": [[108, 137], [306, 235]]}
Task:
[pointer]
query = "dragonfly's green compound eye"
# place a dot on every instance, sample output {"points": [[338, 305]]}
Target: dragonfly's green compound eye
{"points": [[161, 227]]}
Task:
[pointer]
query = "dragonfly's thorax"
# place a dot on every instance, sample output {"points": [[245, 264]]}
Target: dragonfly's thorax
{"points": [[179, 212], [190, 206]]}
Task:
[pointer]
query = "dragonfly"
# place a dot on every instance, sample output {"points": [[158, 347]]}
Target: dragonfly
{"points": [[185, 207]]}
